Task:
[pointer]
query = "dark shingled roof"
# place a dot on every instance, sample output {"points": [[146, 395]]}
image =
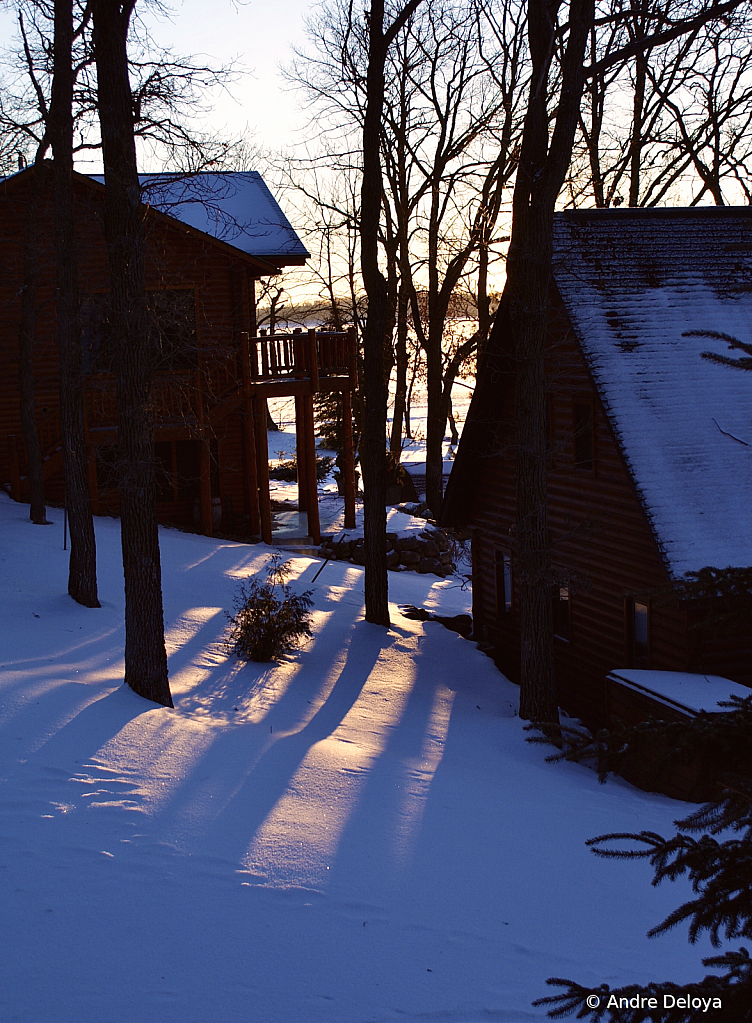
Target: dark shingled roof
{"points": [[634, 283]]}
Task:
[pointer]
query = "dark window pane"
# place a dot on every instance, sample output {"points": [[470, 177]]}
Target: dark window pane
{"points": [[163, 468], [583, 435], [639, 635], [561, 612], [186, 462], [503, 583]]}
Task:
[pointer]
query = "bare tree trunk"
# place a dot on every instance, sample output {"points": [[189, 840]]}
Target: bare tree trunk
{"points": [[435, 424], [26, 332], [400, 392], [453, 426], [82, 569], [145, 656], [635, 155], [373, 440], [540, 176], [378, 320]]}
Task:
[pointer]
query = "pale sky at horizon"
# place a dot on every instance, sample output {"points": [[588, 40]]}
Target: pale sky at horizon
{"points": [[259, 34]]}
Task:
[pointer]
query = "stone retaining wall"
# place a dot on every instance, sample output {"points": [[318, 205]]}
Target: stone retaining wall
{"points": [[427, 552]]}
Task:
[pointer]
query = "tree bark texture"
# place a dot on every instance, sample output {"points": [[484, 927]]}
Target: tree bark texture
{"points": [[145, 656], [373, 440], [379, 320], [401, 363], [82, 567], [26, 332], [541, 173]]}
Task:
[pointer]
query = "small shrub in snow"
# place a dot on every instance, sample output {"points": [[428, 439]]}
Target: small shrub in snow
{"points": [[270, 620]]}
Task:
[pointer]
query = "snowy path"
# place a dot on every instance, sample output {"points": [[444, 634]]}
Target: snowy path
{"points": [[360, 834]]}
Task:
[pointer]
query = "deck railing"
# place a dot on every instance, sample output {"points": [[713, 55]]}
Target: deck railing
{"points": [[302, 355], [186, 396]]}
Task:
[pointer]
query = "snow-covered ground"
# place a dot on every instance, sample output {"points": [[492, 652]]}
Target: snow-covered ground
{"points": [[358, 834]]}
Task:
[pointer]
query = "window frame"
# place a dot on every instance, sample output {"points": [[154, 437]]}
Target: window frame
{"points": [[556, 603], [505, 605], [631, 604]]}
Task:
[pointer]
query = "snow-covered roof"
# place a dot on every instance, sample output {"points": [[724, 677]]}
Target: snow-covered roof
{"points": [[236, 207], [680, 689], [635, 282]]}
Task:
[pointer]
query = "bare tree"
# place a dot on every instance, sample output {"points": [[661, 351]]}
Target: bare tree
{"points": [[545, 158], [145, 655], [26, 337], [458, 75], [17, 135], [380, 317], [688, 133], [453, 95], [82, 569]]}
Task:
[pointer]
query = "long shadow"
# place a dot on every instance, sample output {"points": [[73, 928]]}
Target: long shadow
{"points": [[227, 830], [377, 846], [47, 775]]}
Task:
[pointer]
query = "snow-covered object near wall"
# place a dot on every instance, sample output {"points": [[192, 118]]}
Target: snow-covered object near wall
{"points": [[637, 285], [236, 207]]}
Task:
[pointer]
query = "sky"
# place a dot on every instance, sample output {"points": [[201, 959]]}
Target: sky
{"points": [[257, 34], [260, 36]]}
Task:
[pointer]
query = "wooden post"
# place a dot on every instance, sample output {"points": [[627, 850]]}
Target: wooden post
{"points": [[262, 467], [204, 493], [250, 473], [348, 442], [313, 360], [348, 460], [312, 502], [352, 361], [204, 462], [300, 454]]}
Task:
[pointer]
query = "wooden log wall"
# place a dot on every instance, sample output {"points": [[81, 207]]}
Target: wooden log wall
{"points": [[177, 259], [600, 536]]}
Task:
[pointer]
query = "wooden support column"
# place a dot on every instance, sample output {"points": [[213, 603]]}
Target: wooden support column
{"points": [[204, 487], [312, 360], [250, 473], [204, 459], [348, 460], [300, 454], [348, 441], [262, 467], [312, 502]]}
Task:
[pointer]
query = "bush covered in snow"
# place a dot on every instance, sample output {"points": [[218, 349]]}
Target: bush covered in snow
{"points": [[270, 620]]}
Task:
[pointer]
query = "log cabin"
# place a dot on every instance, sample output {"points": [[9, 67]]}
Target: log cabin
{"points": [[208, 237], [648, 460]]}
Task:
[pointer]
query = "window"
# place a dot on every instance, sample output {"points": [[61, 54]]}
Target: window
{"points": [[177, 470], [638, 633], [584, 445], [562, 613], [503, 565]]}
